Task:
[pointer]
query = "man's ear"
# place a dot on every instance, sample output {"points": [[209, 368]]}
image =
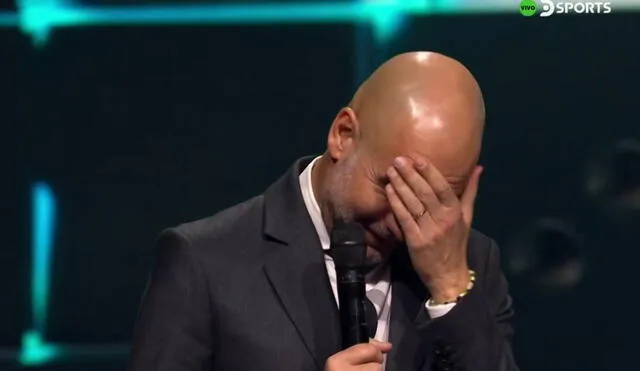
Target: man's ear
{"points": [[343, 134]]}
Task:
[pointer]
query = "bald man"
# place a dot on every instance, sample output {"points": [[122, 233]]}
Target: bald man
{"points": [[253, 288]]}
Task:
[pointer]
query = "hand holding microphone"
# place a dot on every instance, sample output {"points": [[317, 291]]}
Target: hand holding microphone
{"points": [[361, 357]]}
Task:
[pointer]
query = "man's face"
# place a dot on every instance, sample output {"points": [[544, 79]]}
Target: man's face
{"points": [[355, 187], [355, 193]]}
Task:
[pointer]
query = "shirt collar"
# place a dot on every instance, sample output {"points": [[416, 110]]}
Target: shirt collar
{"points": [[312, 206]]}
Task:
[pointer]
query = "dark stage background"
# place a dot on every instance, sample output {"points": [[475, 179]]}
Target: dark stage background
{"points": [[139, 128]]}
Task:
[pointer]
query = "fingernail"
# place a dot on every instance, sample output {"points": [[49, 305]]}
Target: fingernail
{"points": [[399, 161], [391, 172]]}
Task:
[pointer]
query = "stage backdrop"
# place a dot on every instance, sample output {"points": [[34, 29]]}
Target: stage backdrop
{"points": [[113, 132]]}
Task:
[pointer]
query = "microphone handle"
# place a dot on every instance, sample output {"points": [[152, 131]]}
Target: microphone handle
{"points": [[351, 296]]}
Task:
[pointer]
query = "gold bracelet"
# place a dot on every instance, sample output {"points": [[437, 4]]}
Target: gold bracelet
{"points": [[472, 280]]}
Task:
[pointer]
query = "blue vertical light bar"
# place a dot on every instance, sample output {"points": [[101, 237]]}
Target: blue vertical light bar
{"points": [[34, 348], [43, 224]]}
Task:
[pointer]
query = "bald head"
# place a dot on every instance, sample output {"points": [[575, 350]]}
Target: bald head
{"points": [[425, 101], [422, 106]]}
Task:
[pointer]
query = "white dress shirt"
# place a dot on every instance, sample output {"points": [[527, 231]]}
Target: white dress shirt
{"points": [[378, 285]]}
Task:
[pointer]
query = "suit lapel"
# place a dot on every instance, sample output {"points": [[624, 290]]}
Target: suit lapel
{"points": [[407, 301], [295, 267], [302, 286]]}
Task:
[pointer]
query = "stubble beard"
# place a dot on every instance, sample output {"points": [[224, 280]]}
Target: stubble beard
{"points": [[337, 192], [339, 206]]}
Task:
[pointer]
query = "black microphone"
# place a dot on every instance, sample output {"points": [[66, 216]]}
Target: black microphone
{"points": [[358, 318]]}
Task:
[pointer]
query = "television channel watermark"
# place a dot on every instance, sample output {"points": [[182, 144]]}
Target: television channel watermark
{"points": [[547, 8]]}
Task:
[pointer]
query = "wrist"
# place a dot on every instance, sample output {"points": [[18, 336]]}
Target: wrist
{"points": [[452, 289]]}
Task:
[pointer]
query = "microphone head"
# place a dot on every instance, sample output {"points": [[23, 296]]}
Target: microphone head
{"points": [[348, 249]]}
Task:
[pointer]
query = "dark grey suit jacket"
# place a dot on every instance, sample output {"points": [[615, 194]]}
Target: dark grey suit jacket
{"points": [[247, 289]]}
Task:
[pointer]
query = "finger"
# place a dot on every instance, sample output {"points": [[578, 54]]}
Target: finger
{"points": [[384, 347], [392, 223], [468, 198], [403, 216], [417, 184], [363, 353], [406, 194], [370, 367], [438, 183]]}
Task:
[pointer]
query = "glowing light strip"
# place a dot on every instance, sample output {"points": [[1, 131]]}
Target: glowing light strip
{"points": [[44, 220], [34, 349], [38, 17]]}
